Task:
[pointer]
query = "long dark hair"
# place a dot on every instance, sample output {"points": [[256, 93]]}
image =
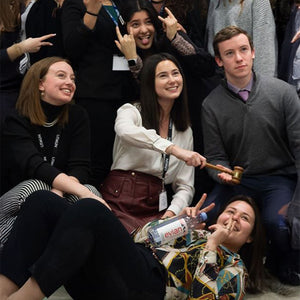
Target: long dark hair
{"points": [[180, 8], [150, 109], [130, 7], [252, 253]]}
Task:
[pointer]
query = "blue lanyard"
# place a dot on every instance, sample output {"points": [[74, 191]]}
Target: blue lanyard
{"points": [[117, 13]]}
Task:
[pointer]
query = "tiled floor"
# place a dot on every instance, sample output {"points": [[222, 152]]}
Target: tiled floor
{"points": [[61, 294]]}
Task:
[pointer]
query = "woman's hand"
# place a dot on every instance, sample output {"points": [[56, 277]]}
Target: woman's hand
{"points": [[168, 214], [191, 158], [126, 44], [170, 24], [33, 45], [89, 194], [219, 235], [30, 45], [70, 185], [194, 211]]}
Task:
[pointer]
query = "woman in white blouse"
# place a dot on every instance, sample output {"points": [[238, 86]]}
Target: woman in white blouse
{"points": [[153, 148]]}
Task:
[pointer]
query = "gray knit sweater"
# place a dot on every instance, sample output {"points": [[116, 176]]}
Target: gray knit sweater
{"points": [[261, 135], [257, 19]]}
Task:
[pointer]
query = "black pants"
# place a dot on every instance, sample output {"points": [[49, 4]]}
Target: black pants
{"points": [[89, 251], [102, 115]]}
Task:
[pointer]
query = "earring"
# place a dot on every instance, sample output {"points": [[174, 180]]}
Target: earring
{"points": [[42, 93]]}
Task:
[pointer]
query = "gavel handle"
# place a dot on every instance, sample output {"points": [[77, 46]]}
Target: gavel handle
{"points": [[211, 166]]}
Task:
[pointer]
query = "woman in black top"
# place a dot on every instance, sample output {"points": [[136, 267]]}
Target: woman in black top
{"points": [[88, 29], [47, 140]]}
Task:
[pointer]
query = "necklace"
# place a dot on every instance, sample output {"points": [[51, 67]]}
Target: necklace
{"points": [[50, 124], [157, 2]]}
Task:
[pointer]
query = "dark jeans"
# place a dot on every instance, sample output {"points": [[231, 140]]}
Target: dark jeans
{"points": [[271, 193], [89, 251]]}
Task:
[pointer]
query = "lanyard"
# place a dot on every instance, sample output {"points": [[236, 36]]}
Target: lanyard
{"points": [[55, 146], [167, 156], [117, 14]]}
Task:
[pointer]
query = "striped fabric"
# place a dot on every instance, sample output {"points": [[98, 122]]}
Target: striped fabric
{"points": [[10, 203]]}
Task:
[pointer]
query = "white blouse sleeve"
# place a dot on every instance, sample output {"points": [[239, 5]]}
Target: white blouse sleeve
{"points": [[183, 182], [128, 126]]}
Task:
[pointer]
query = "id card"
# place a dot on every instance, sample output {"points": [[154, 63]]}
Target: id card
{"points": [[163, 201], [120, 63]]}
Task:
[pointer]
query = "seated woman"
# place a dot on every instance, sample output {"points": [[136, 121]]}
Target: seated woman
{"points": [[148, 34], [94, 257], [46, 140], [153, 147]]}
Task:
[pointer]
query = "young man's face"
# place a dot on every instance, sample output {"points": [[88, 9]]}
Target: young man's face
{"points": [[236, 56]]}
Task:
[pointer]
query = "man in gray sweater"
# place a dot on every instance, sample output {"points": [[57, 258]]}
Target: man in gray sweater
{"points": [[254, 122]]}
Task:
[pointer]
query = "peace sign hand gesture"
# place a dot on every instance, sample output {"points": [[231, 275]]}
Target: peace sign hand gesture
{"points": [[169, 24], [126, 44], [219, 235]]}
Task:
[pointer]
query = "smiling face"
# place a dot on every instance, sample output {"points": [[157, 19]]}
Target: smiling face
{"points": [[58, 85], [244, 215], [168, 81], [142, 29], [236, 56]]}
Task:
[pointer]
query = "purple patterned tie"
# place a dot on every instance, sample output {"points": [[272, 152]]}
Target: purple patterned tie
{"points": [[244, 94]]}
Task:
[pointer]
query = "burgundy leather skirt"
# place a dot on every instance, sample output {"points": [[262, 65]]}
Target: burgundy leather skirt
{"points": [[133, 197]]}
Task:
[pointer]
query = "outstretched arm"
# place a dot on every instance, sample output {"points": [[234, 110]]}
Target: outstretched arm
{"points": [[30, 45]]}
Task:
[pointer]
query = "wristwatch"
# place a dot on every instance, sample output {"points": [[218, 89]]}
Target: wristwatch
{"points": [[132, 62]]}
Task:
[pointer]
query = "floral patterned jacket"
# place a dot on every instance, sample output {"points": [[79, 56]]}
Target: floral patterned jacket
{"points": [[196, 273]]}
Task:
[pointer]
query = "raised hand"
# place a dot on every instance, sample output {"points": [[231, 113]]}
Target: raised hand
{"points": [[126, 44], [170, 24], [33, 45], [194, 211], [220, 234]]}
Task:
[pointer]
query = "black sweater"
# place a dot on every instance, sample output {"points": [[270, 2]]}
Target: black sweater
{"points": [[91, 53], [23, 157]]}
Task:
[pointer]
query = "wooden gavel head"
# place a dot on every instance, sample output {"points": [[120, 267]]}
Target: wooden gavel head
{"points": [[236, 173]]}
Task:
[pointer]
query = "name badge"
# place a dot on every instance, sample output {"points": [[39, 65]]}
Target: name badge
{"points": [[120, 63], [163, 201]]}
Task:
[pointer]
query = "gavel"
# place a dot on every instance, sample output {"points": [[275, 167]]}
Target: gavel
{"points": [[236, 173]]}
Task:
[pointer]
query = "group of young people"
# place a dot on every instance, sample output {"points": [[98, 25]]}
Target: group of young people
{"points": [[97, 246]]}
